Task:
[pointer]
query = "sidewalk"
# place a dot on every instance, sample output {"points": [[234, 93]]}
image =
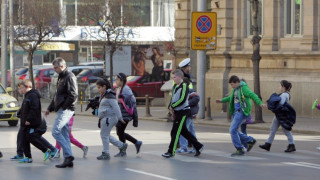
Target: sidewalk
{"points": [[304, 125]]}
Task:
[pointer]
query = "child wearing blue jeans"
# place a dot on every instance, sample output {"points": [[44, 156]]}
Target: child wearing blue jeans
{"points": [[240, 107]]}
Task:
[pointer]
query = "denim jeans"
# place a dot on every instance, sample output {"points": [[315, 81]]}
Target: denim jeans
{"points": [[273, 129], [237, 137], [190, 126], [60, 130]]}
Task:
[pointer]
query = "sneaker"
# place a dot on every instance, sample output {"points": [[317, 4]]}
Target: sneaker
{"points": [[239, 152], [25, 160], [121, 154], [199, 151], [138, 146], [182, 150], [46, 155], [167, 155], [251, 144], [54, 154], [85, 151], [192, 151], [16, 158], [124, 147], [104, 156]]}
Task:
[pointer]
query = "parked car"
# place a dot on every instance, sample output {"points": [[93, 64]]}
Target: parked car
{"points": [[8, 78], [22, 72], [140, 85], [89, 76], [147, 84], [75, 69], [96, 63], [8, 107], [42, 80]]}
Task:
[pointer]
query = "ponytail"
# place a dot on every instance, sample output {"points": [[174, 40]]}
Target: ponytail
{"points": [[286, 84], [123, 79]]}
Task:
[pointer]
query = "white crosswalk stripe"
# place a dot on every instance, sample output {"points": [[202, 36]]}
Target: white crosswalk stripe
{"points": [[303, 164], [286, 155]]}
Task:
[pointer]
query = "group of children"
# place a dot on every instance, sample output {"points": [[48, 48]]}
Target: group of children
{"points": [[119, 108], [240, 107], [33, 126], [115, 109]]}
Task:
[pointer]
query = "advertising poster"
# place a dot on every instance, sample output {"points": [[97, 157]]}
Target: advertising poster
{"points": [[147, 60]]}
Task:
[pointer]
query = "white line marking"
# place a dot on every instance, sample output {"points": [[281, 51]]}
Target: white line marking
{"points": [[285, 155], [310, 164], [149, 174], [315, 166]]}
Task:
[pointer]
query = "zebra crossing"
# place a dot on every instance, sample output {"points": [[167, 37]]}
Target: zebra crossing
{"points": [[209, 157]]}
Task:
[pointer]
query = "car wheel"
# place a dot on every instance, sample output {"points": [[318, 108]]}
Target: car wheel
{"points": [[13, 123], [45, 93]]}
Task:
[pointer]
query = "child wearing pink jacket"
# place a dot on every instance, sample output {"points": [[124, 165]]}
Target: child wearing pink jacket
{"points": [[74, 141]]}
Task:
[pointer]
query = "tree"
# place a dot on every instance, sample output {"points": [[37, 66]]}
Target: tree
{"points": [[255, 41], [111, 19], [37, 22]]}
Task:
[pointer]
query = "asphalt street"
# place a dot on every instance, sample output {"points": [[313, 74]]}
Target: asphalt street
{"points": [[215, 161]]}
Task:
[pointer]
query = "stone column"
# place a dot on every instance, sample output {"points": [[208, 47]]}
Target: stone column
{"points": [[310, 25], [238, 20], [270, 16]]}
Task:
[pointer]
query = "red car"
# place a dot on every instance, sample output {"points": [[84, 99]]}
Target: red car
{"points": [[42, 79], [146, 84]]}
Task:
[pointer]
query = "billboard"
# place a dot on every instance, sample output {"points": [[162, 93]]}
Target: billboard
{"points": [[138, 60]]}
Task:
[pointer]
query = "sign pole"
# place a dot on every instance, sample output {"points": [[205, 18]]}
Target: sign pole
{"points": [[4, 43], [201, 58]]}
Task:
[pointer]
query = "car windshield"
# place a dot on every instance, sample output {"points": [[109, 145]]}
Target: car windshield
{"points": [[132, 78], [36, 73], [2, 91]]}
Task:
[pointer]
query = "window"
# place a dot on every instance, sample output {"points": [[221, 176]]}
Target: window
{"points": [[162, 12], [259, 18], [136, 12], [293, 16]]}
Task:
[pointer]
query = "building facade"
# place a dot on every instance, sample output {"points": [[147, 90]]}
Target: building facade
{"points": [[80, 40], [289, 48]]}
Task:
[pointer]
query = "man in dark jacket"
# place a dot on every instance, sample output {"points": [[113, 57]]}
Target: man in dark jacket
{"points": [[64, 104]]}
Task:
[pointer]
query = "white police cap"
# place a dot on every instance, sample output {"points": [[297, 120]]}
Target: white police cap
{"points": [[185, 62]]}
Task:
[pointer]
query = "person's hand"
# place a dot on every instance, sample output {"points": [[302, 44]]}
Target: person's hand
{"points": [[27, 123], [122, 121], [46, 113], [263, 106], [218, 101], [172, 116]]}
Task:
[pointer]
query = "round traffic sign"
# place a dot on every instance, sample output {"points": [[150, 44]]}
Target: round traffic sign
{"points": [[204, 24]]}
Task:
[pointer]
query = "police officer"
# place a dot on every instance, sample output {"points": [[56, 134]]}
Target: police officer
{"points": [[185, 66]]}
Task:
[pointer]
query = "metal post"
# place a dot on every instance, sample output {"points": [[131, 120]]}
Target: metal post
{"points": [[147, 106], [81, 100], [209, 110], [201, 58], [4, 43], [76, 12], [12, 66]]}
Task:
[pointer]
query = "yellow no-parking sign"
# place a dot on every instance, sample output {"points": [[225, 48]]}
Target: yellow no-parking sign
{"points": [[204, 31]]}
